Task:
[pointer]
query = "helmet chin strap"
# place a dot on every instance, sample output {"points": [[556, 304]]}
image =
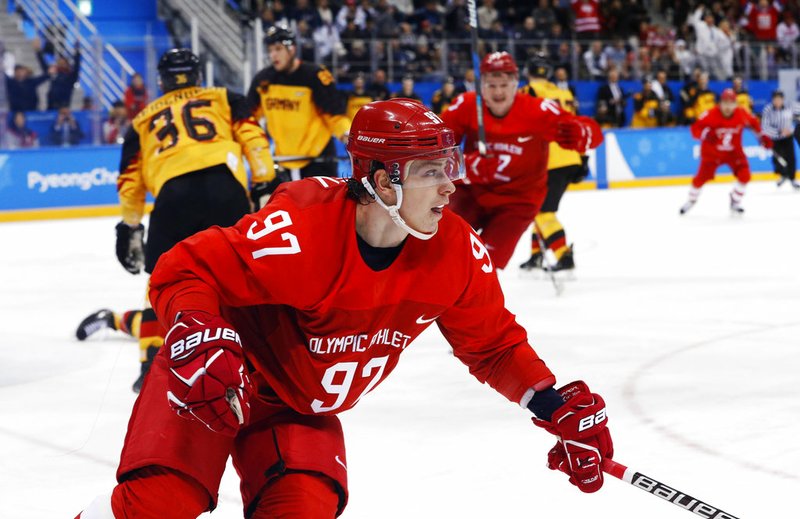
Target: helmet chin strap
{"points": [[394, 210]]}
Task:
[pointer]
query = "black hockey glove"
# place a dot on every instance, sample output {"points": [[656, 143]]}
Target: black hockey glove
{"points": [[260, 191], [130, 247], [583, 172]]}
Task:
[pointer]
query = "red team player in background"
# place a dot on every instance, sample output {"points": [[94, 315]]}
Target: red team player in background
{"points": [[270, 339], [720, 132], [505, 190]]}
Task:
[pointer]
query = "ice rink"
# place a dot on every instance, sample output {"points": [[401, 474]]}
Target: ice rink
{"points": [[688, 326]]}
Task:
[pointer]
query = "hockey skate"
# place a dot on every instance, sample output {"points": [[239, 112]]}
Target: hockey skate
{"points": [[781, 181], [736, 207], [796, 185], [97, 321], [535, 262], [688, 205], [565, 262]]}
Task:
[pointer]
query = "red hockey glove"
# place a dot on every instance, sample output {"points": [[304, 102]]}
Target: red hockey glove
{"points": [[481, 169], [578, 133], [208, 381], [583, 439], [709, 135], [765, 141]]}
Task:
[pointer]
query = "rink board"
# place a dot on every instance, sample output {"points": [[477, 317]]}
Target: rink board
{"points": [[81, 181]]}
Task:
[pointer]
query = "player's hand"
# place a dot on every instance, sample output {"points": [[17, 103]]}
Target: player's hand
{"points": [[578, 133], [207, 382], [261, 191], [481, 169], [765, 141], [583, 439], [130, 247]]}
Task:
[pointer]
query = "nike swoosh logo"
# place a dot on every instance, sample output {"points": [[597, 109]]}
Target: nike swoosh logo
{"points": [[524, 139], [421, 319], [339, 461]]}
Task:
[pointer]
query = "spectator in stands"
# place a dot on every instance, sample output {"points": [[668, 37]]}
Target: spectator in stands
{"points": [[63, 77], [350, 33], [726, 46], [357, 97], [351, 10], [407, 89], [135, 95], [595, 60], [761, 19], [707, 34], [304, 12], [684, 57], [267, 18], [563, 55], [377, 89], [743, 98], [554, 40], [9, 61], [617, 56], [645, 104], [587, 18], [431, 13], [700, 101], [324, 11], [326, 40], [21, 89], [306, 47], [544, 15], [386, 19], [468, 83], [487, 15], [358, 61], [18, 135], [662, 89], [787, 33], [65, 131], [117, 124], [496, 38], [281, 15], [561, 80], [611, 99], [444, 96]]}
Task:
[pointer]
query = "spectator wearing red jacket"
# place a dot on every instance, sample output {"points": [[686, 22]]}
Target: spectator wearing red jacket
{"points": [[761, 19], [135, 96], [587, 18]]}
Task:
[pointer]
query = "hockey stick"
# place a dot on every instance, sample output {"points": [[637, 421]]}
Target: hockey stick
{"points": [[780, 159], [476, 68], [558, 284], [657, 488]]}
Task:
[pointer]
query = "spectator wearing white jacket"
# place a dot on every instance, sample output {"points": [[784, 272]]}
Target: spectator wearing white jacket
{"points": [[709, 37]]}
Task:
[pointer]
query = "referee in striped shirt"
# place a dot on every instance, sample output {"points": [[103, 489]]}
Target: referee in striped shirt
{"points": [[776, 121]]}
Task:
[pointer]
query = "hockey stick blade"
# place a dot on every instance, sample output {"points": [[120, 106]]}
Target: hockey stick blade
{"points": [[780, 159], [659, 489]]}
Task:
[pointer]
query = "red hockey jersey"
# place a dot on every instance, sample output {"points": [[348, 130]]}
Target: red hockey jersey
{"points": [[519, 139], [727, 129], [320, 327]]}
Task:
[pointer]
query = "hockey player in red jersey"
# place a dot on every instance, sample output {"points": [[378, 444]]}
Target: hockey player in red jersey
{"points": [[504, 190], [720, 133], [291, 316]]}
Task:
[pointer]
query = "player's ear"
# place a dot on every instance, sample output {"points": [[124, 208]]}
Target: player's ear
{"points": [[382, 183]]}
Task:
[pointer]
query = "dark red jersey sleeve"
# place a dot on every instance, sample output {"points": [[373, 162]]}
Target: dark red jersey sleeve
{"points": [[457, 115], [251, 263], [485, 335], [703, 122], [752, 121]]}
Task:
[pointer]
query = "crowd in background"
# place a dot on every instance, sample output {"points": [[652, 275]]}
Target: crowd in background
{"points": [[375, 43]]}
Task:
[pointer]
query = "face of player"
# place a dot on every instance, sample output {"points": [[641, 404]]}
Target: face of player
{"points": [[426, 190], [281, 56], [499, 90], [727, 108]]}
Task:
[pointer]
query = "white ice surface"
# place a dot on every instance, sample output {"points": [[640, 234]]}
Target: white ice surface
{"points": [[688, 326]]}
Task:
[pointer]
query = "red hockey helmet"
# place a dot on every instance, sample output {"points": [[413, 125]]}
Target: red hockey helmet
{"points": [[499, 62], [728, 95], [396, 131]]}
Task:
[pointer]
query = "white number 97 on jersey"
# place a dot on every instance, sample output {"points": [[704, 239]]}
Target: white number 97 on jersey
{"points": [[481, 254], [273, 222]]}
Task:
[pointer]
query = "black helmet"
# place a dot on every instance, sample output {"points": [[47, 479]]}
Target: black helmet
{"points": [[280, 35], [539, 66], [178, 68]]}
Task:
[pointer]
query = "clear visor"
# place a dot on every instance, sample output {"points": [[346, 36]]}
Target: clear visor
{"points": [[431, 169]]}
